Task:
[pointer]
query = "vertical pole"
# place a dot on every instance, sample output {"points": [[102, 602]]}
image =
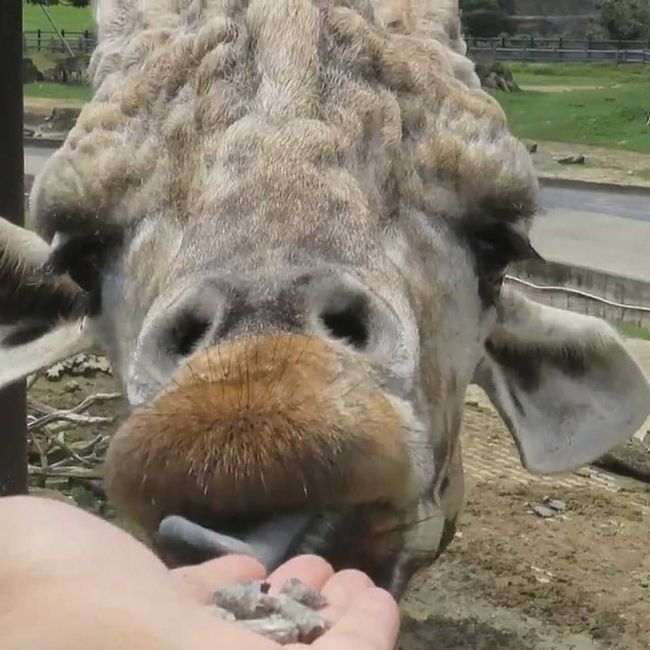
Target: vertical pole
{"points": [[13, 440], [60, 34]]}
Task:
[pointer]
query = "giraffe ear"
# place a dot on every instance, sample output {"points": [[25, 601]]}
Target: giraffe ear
{"points": [[564, 384], [42, 311]]}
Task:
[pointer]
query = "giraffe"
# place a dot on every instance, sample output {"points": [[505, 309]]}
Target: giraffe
{"points": [[287, 223]]}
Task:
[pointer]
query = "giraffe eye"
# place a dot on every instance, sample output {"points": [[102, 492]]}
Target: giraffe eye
{"points": [[82, 258], [494, 246]]}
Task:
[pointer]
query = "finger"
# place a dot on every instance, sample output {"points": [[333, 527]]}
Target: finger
{"points": [[312, 570], [202, 580], [341, 589], [370, 623]]}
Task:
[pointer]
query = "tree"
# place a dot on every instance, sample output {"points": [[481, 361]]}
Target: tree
{"points": [[485, 17], [626, 19]]}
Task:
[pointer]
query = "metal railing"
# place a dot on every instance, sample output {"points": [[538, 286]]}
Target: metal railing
{"points": [[48, 41], [577, 292], [553, 50], [514, 48]]}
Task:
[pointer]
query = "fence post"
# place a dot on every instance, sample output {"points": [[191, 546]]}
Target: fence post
{"points": [[13, 438], [38, 37]]}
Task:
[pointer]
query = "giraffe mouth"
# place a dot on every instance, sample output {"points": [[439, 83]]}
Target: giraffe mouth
{"points": [[271, 540], [365, 537]]}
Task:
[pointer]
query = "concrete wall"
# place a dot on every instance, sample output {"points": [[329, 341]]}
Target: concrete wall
{"points": [[613, 288]]}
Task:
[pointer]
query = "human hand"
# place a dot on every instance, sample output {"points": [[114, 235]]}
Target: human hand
{"points": [[362, 616], [70, 580]]}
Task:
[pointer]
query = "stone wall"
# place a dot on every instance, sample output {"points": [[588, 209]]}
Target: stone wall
{"points": [[617, 289]]}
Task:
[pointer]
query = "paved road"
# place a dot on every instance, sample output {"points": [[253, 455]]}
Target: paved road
{"points": [[615, 245], [598, 229], [35, 159], [627, 206]]}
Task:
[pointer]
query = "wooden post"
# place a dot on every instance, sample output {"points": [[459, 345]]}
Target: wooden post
{"points": [[13, 440]]}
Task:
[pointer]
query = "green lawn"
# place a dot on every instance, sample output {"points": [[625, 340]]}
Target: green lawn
{"points": [[610, 116], [58, 91], [633, 331], [67, 18]]}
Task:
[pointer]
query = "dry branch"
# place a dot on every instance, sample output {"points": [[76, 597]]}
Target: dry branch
{"points": [[65, 472], [81, 459]]}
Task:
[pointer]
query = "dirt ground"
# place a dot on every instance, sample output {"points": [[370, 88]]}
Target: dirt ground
{"points": [[43, 106], [561, 88], [511, 580], [601, 165], [514, 580]]}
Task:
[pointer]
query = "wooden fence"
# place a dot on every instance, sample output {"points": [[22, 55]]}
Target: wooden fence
{"points": [[558, 50], [48, 41], [504, 49]]}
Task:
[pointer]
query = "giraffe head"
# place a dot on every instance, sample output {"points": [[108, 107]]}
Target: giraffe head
{"points": [[288, 225]]}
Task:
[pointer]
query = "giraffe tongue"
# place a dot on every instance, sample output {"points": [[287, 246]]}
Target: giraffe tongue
{"points": [[268, 541]]}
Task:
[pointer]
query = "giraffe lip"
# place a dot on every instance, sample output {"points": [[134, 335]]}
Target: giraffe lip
{"points": [[269, 540]]}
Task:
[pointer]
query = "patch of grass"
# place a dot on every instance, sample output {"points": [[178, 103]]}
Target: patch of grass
{"points": [[67, 18], [633, 331], [612, 115], [53, 90], [607, 117]]}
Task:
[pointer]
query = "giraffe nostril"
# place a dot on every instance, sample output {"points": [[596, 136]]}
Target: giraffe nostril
{"points": [[348, 322], [185, 333]]}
